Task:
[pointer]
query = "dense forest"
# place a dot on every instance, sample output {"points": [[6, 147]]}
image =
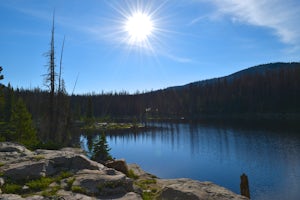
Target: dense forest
{"points": [[270, 91]]}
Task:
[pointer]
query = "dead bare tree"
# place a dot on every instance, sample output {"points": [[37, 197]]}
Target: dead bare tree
{"points": [[50, 83]]}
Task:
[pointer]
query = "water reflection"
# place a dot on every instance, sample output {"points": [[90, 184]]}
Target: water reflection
{"points": [[217, 153]]}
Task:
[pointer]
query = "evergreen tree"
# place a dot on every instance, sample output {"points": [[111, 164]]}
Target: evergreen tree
{"points": [[1, 76], [101, 150], [89, 112], [8, 102], [1, 96], [21, 126], [2, 123]]}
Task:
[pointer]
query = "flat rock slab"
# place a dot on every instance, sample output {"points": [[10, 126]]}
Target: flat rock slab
{"points": [[103, 183], [177, 189]]}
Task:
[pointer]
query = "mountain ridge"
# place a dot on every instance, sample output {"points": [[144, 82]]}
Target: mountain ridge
{"points": [[257, 69]]}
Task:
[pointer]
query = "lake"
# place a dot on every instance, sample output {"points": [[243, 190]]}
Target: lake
{"points": [[217, 153]]}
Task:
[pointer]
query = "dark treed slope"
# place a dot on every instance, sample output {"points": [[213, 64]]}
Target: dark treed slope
{"points": [[270, 89]]}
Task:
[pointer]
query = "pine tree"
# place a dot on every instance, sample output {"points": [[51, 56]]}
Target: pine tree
{"points": [[2, 116], [89, 112], [21, 126], [1, 96], [1, 76], [101, 150]]}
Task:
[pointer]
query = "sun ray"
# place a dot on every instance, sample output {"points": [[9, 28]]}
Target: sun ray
{"points": [[139, 26]]}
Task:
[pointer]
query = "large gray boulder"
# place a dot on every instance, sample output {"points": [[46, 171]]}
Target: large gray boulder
{"points": [[13, 153], [26, 170], [177, 189], [47, 163], [103, 183], [13, 147]]}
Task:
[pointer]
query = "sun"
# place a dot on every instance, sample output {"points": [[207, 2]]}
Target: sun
{"points": [[139, 27]]}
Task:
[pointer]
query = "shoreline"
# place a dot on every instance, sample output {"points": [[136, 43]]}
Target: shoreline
{"points": [[69, 174]]}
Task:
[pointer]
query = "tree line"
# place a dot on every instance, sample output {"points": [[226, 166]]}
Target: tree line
{"points": [[275, 90]]}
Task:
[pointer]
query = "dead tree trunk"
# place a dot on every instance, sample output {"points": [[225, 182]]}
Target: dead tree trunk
{"points": [[244, 186]]}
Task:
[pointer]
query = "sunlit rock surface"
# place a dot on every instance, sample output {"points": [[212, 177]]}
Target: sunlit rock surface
{"points": [[91, 180]]}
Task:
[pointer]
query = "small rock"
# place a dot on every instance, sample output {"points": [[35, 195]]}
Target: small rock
{"points": [[25, 188], [119, 165], [130, 196], [10, 197], [110, 172], [1, 181]]}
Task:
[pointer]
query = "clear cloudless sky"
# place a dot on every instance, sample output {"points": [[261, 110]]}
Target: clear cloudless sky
{"points": [[189, 40]]}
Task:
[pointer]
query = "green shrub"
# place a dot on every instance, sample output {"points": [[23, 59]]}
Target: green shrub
{"points": [[11, 188], [147, 182], [52, 192], [78, 189], [39, 184], [70, 183], [132, 175], [147, 196], [47, 145], [64, 175]]}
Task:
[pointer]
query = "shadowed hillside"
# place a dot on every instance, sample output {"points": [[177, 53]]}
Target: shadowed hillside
{"points": [[264, 91]]}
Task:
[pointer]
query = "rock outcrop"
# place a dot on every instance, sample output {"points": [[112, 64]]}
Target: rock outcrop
{"points": [[181, 189], [73, 176], [176, 189], [88, 179], [119, 165]]}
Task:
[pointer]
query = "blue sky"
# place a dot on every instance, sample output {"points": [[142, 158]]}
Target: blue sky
{"points": [[190, 40]]}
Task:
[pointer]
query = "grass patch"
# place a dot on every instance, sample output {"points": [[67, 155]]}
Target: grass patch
{"points": [[112, 185], [10, 188], [39, 184], [70, 183], [63, 175], [132, 175], [39, 157], [52, 192], [146, 182], [148, 196], [2, 164], [149, 188], [78, 189]]}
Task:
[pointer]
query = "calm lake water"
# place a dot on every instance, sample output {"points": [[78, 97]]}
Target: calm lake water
{"points": [[219, 154]]}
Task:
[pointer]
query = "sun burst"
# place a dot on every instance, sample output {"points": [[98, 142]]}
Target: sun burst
{"points": [[139, 27]]}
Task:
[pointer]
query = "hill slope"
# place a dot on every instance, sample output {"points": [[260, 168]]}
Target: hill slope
{"points": [[268, 90]]}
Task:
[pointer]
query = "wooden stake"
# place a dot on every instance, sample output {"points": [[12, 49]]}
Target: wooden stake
{"points": [[245, 186]]}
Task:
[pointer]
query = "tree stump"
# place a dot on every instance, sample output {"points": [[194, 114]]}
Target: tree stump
{"points": [[244, 186]]}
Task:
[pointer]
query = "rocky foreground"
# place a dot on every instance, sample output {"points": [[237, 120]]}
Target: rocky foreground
{"points": [[67, 174]]}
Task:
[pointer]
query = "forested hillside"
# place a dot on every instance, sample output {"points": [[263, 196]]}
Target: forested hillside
{"points": [[270, 89]]}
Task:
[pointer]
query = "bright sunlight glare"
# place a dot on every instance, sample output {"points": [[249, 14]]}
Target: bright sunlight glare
{"points": [[139, 27]]}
